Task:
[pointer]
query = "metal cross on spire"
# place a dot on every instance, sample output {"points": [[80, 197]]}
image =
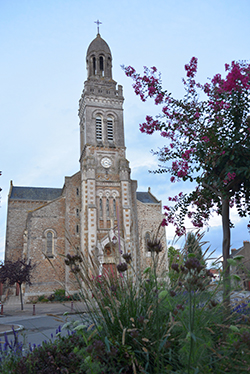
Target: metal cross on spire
{"points": [[98, 23]]}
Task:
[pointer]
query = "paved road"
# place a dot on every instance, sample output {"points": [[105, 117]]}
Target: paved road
{"points": [[39, 327]]}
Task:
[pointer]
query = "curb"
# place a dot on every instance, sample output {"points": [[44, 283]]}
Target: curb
{"points": [[17, 328]]}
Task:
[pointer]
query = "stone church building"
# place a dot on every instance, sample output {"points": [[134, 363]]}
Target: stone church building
{"points": [[98, 210]]}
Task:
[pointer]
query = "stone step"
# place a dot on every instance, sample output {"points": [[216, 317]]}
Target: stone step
{"points": [[12, 300]]}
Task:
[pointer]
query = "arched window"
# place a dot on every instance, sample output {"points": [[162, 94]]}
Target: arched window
{"points": [[77, 229], [107, 208], [101, 65], [101, 209], [109, 67], [77, 212], [94, 66], [147, 238], [98, 128], [110, 129], [49, 244], [114, 208]]}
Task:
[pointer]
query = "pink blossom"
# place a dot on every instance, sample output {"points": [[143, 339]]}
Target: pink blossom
{"points": [[164, 222], [165, 134], [180, 231], [172, 179], [191, 68], [165, 110], [205, 139], [230, 176], [206, 88], [151, 90], [159, 98], [216, 79], [129, 71]]}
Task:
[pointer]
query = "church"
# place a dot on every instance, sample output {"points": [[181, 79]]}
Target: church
{"points": [[98, 210]]}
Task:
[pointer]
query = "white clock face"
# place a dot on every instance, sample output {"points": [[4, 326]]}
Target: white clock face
{"points": [[106, 162]]}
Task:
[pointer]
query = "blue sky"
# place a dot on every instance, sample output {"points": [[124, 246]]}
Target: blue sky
{"points": [[42, 69]]}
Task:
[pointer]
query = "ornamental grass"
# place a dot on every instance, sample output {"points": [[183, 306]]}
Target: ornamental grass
{"points": [[147, 323]]}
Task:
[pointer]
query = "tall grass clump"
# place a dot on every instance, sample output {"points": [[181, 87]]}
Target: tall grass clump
{"points": [[160, 323], [159, 320]]}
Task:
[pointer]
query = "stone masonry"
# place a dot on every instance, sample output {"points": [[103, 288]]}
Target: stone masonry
{"points": [[98, 209]]}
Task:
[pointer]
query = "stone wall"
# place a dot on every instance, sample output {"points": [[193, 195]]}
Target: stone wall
{"points": [[49, 274], [16, 224], [149, 218]]}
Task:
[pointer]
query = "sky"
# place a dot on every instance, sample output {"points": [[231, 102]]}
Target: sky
{"points": [[43, 47]]}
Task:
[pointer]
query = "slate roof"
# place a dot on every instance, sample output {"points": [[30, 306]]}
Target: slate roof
{"points": [[35, 193], [146, 198]]}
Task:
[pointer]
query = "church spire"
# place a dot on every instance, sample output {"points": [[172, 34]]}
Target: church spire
{"points": [[99, 58]]}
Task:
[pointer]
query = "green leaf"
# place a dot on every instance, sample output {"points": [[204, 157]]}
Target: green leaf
{"points": [[107, 343], [231, 262], [236, 277], [80, 327], [163, 343], [193, 337], [234, 328], [163, 294], [191, 255], [147, 270], [66, 325], [238, 258]]}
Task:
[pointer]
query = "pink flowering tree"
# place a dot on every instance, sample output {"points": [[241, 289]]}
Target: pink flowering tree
{"points": [[207, 142]]}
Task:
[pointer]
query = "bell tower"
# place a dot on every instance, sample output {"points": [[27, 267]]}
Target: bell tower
{"points": [[107, 192]]}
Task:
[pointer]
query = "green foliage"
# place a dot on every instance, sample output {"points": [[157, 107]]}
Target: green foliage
{"points": [[42, 299], [58, 296], [174, 256], [59, 292], [192, 246], [142, 324]]}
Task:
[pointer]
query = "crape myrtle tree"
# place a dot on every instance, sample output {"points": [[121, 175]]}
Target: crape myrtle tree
{"points": [[19, 271], [207, 142]]}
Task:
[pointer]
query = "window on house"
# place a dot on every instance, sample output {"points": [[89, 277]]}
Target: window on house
{"points": [[77, 229], [77, 191], [77, 212], [110, 129], [98, 128], [49, 244]]}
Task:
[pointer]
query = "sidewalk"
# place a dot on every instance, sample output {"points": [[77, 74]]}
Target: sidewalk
{"points": [[40, 309]]}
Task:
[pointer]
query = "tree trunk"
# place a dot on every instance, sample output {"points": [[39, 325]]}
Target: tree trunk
{"points": [[225, 250], [21, 296]]}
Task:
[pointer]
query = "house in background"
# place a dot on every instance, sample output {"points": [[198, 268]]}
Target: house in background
{"points": [[243, 270]]}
